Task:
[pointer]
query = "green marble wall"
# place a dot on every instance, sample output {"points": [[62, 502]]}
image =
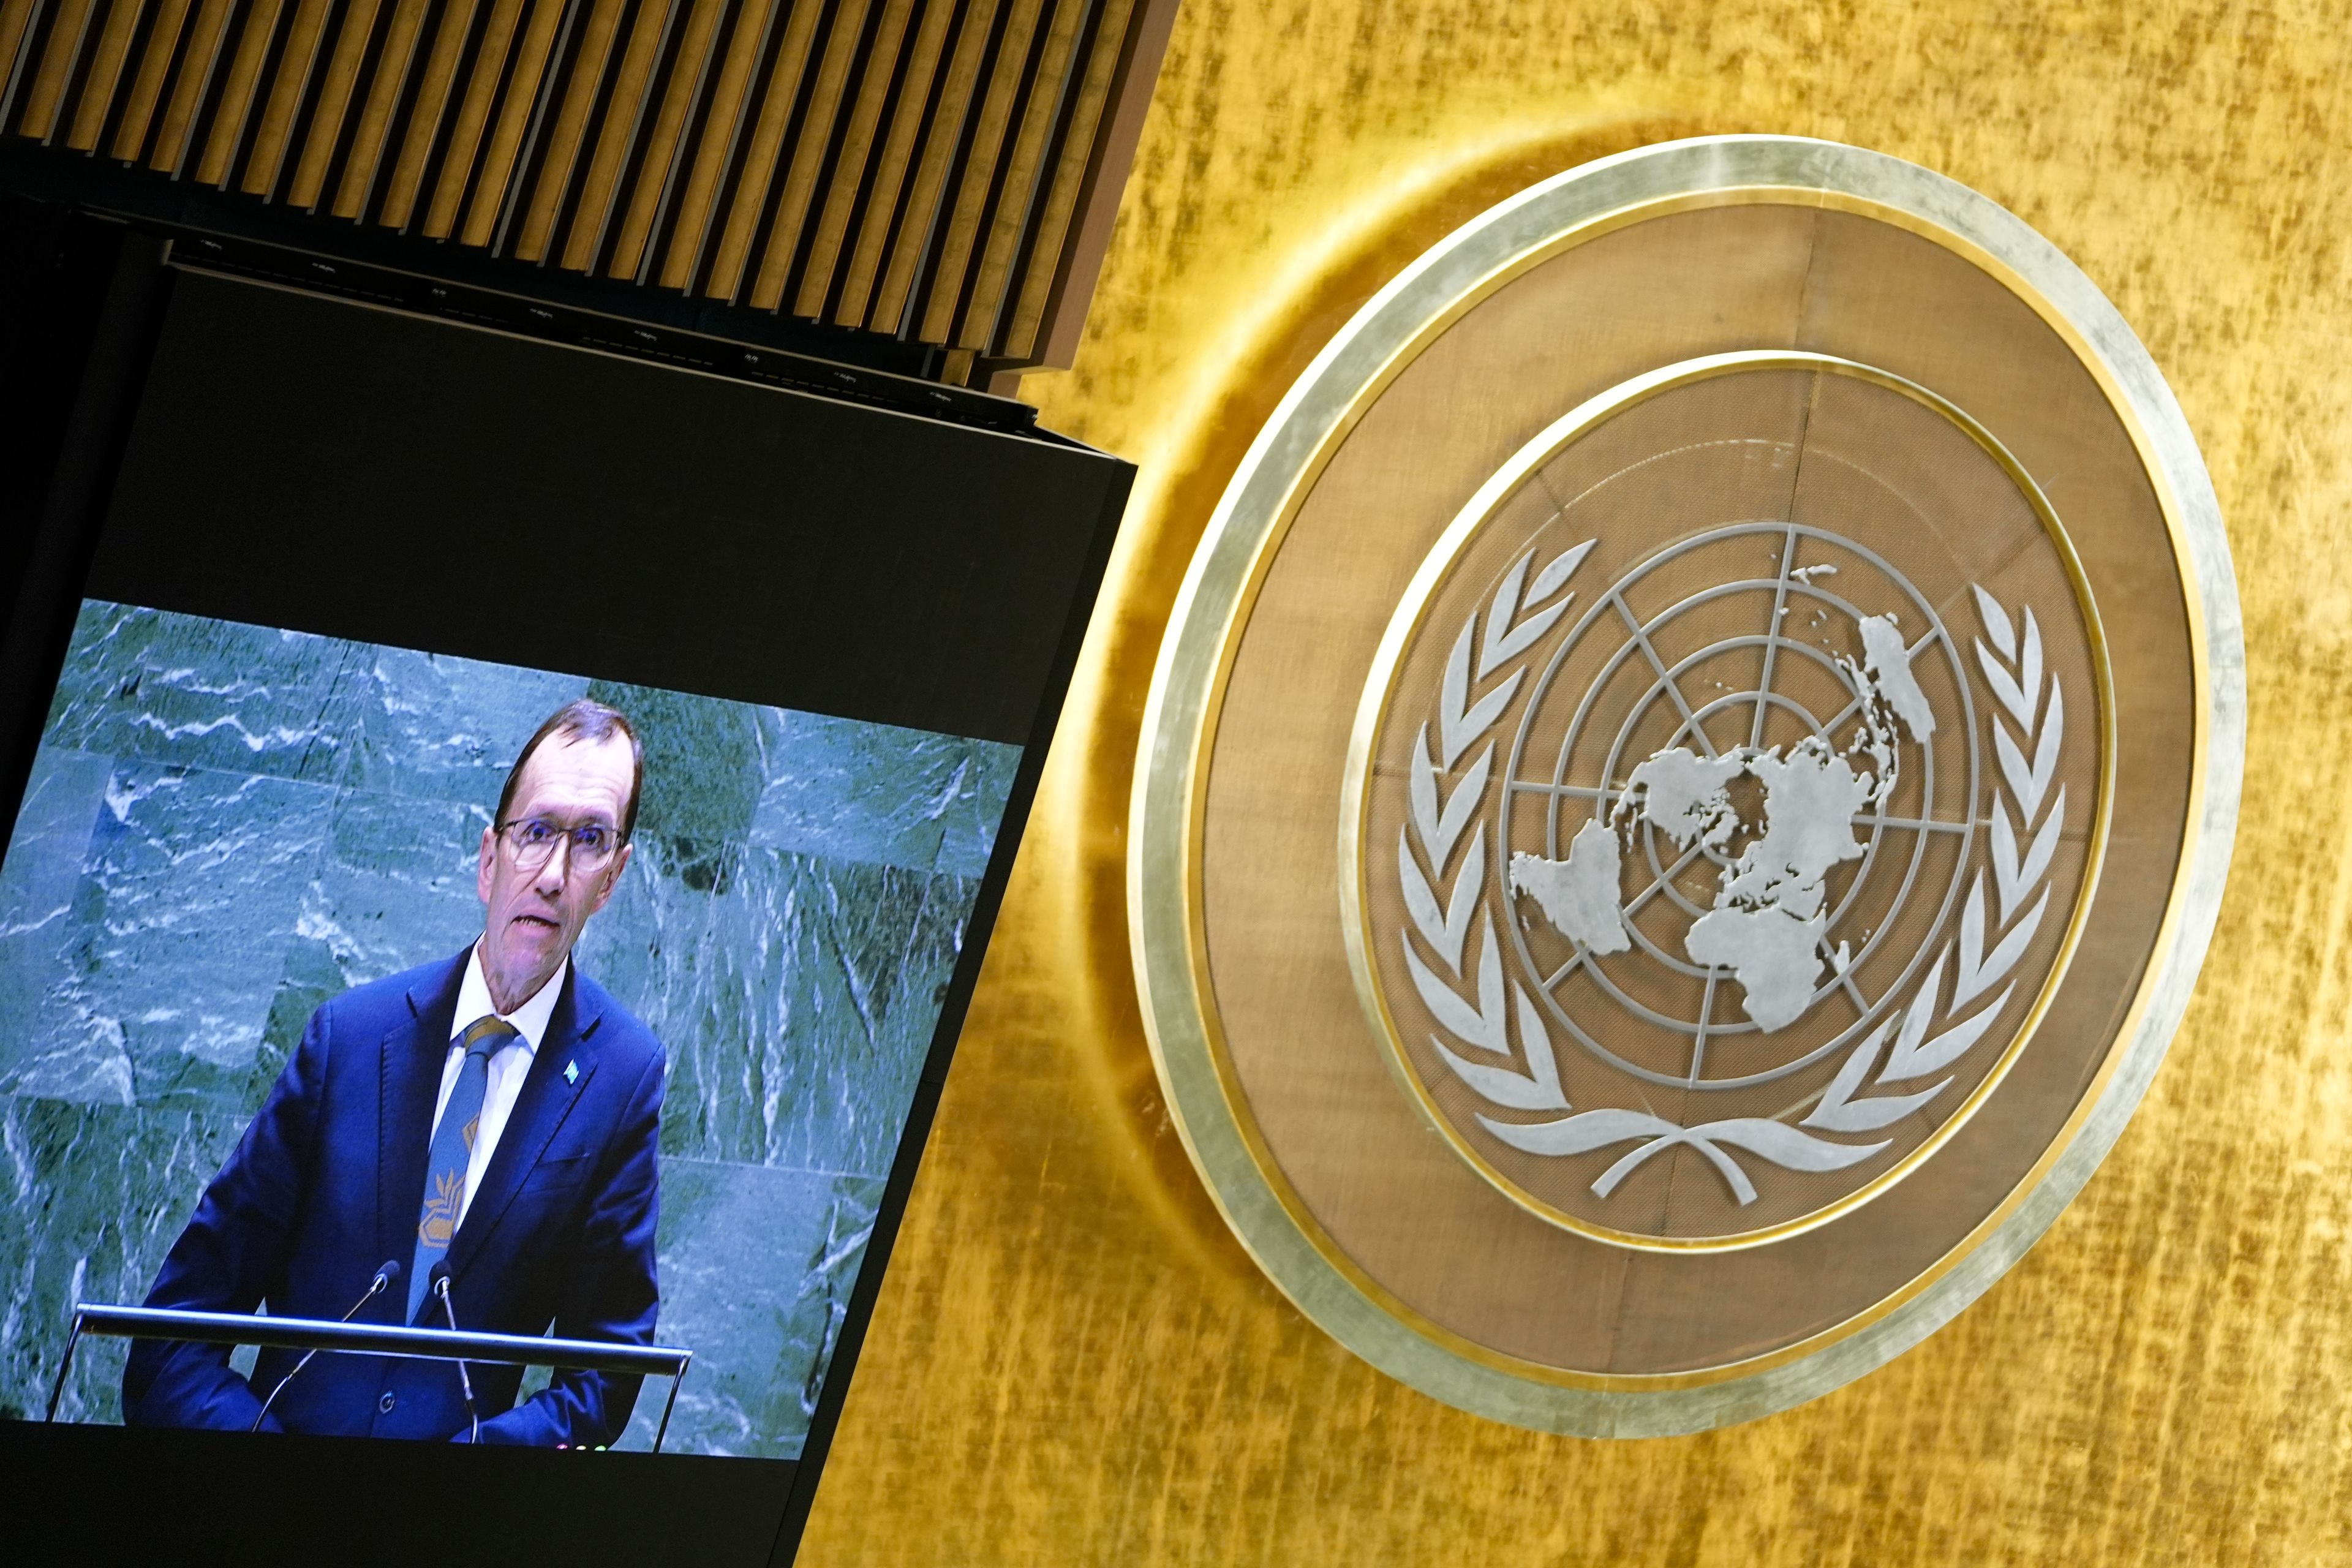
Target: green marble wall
{"points": [[227, 825]]}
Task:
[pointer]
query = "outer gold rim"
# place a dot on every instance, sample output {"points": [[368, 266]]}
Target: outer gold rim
{"points": [[1437, 569], [1221, 587]]}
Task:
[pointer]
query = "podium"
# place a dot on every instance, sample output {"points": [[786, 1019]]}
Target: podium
{"points": [[370, 1339]]}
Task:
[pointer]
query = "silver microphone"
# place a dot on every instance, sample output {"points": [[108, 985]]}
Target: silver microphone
{"points": [[440, 1288], [385, 1279]]}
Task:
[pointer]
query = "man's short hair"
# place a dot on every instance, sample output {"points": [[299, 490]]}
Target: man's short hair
{"points": [[581, 719]]}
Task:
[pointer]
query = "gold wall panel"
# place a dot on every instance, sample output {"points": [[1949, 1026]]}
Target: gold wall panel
{"points": [[1073, 1361]]}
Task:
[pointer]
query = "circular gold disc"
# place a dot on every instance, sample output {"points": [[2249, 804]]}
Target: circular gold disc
{"points": [[1687, 786]]}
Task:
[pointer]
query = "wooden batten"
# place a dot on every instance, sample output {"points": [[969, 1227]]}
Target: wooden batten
{"points": [[942, 171]]}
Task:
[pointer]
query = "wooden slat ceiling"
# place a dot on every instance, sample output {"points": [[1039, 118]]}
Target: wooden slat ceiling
{"points": [[912, 167]]}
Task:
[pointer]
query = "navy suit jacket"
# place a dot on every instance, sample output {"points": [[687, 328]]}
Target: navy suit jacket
{"points": [[326, 1184]]}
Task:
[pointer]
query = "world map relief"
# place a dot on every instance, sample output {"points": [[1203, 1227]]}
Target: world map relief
{"points": [[1767, 926]]}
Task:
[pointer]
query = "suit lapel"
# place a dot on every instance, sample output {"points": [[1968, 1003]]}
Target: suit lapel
{"points": [[411, 1057], [548, 1095]]}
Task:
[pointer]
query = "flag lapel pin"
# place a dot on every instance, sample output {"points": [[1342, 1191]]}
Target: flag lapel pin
{"points": [[572, 1072]]}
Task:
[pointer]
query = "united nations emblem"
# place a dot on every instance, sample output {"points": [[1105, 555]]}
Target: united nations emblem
{"points": [[1710, 855], [1688, 786]]}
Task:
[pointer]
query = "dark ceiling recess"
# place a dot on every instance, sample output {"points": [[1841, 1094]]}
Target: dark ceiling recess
{"points": [[921, 186]]}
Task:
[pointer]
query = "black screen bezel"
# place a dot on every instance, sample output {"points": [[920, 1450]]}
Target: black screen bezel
{"points": [[109, 528]]}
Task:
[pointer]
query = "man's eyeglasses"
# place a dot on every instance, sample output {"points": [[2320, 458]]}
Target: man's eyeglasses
{"points": [[531, 839]]}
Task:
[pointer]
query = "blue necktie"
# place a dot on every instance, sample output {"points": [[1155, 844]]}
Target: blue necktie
{"points": [[453, 1147]]}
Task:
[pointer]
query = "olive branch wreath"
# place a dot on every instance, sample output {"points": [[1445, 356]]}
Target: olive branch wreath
{"points": [[1445, 796]]}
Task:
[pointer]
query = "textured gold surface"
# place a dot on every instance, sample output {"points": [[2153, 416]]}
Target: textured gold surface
{"points": [[1074, 1363]]}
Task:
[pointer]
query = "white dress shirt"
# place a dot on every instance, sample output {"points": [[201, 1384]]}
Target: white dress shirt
{"points": [[510, 1064]]}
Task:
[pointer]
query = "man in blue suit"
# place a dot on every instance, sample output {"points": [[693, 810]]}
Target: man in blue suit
{"points": [[490, 1119]]}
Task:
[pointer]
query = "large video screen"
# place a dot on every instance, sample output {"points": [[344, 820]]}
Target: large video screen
{"points": [[507, 837], [262, 883]]}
